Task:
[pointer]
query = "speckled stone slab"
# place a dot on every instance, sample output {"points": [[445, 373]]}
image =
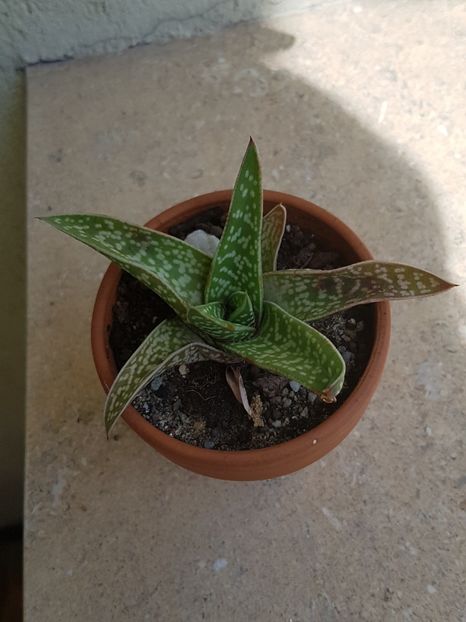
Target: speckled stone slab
{"points": [[359, 107]]}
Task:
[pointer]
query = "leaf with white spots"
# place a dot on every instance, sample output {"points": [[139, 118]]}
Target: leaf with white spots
{"points": [[236, 266], [209, 320], [239, 309], [170, 343], [287, 346], [313, 294], [173, 269], [273, 226]]}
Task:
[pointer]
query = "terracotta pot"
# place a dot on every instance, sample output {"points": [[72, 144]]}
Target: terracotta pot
{"points": [[285, 457]]}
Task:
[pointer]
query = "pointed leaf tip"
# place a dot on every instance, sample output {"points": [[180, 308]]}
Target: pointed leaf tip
{"points": [[273, 228], [170, 267], [313, 294], [237, 263], [328, 396]]}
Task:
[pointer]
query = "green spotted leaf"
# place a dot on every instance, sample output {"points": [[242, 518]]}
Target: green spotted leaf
{"points": [[236, 265], [239, 309], [273, 226], [313, 294], [284, 345], [170, 343], [173, 269], [208, 320]]}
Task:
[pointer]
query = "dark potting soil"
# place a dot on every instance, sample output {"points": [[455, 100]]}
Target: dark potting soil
{"points": [[194, 403]]}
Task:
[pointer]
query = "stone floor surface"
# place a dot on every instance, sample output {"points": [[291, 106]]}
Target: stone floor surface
{"points": [[359, 107]]}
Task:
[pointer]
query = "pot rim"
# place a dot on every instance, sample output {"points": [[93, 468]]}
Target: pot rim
{"points": [[106, 369]]}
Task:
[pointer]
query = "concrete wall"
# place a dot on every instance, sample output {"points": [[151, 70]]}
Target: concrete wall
{"points": [[33, 31]]}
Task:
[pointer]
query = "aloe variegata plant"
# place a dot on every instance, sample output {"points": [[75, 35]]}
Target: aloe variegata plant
{"points": [[236, 305]]}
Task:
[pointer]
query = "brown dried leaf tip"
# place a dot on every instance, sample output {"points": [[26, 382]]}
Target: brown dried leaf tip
{"points": [[328, 396]]}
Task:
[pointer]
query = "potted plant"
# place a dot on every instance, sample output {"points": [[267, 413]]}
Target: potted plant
{"points": [[229, 308]]}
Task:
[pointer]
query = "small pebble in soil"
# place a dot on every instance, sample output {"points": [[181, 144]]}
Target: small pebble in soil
{"points": [[184, 419], [346, 355], [183, 369], [295, 386], [156, 383]]}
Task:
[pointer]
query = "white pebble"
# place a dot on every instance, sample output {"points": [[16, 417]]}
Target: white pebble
{"points": [[295, 386], [431, 589], [183, 369], [203, 241], [156, 383]]}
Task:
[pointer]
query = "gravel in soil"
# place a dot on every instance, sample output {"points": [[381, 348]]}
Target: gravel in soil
{"points": [[194, 403]]}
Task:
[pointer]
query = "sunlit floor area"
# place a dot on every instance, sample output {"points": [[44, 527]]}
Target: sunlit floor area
{"points": [[359, 108]]}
